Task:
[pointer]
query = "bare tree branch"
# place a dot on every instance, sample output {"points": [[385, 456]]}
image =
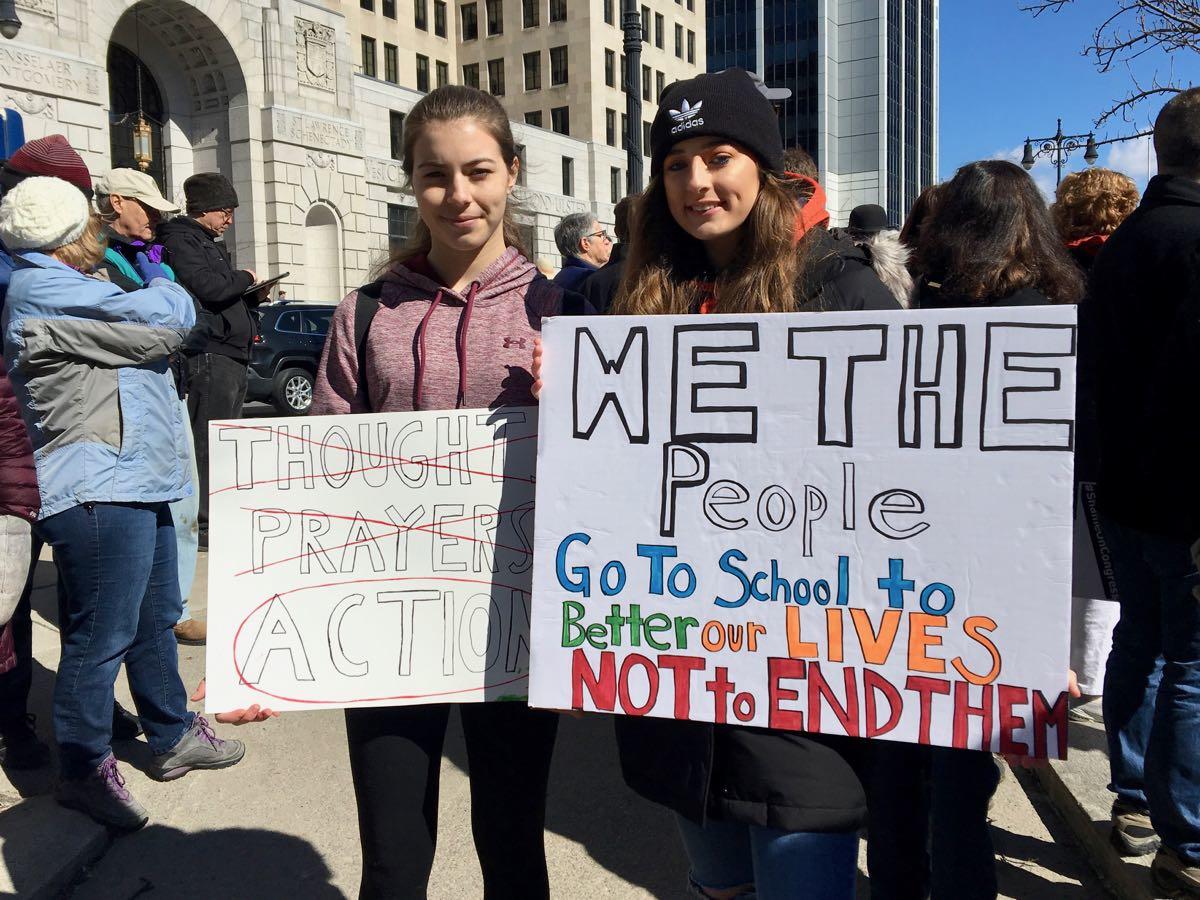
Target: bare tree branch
{"points": [[1132, 30]]}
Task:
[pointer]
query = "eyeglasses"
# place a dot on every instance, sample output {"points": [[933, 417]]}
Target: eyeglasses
{"points": [[599, 234]]}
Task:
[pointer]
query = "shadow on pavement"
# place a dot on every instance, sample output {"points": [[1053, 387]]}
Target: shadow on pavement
{"points": [[234, 862], [1014, 853], [589, 803]]}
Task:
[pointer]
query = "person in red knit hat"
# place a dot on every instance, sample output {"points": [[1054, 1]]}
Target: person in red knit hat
{"points": [[51, 156]]}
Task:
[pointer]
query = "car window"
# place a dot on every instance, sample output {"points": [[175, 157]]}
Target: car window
{"points": [[289, 321], [317, 321]]}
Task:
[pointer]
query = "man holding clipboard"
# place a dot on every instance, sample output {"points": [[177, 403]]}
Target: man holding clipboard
{"points": [[218, 348]]}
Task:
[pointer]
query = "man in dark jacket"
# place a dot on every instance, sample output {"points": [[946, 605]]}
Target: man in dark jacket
{"points": [[1141, 343], [219, 346], [600, 287], [585, 247]]}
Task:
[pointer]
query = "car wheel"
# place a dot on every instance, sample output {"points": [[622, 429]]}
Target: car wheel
{"points": [[293, 392]]}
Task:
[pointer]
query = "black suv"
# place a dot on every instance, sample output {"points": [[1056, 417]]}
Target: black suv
{"points": [[285, 354]]}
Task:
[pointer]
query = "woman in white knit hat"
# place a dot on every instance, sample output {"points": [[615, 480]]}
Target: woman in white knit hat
{"points": [[89, 365]]}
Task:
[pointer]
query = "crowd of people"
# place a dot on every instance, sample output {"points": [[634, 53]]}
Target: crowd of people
{"points": [[120, 329]]}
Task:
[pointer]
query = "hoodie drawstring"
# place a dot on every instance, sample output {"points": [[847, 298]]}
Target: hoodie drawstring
{"points": [[460, 344], [419, 375]]}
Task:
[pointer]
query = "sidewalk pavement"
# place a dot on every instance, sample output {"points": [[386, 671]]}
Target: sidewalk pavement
{"points": [[282, 822]]}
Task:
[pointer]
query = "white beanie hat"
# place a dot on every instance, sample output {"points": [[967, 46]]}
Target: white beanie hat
{"points": [[42, 214]]}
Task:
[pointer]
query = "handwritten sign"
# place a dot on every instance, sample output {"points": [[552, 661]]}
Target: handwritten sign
{"points": [[848, 523], [370, 560]]}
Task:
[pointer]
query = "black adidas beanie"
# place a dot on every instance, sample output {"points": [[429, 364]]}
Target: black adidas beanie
{"points": [[207, 191], [724, 104]]}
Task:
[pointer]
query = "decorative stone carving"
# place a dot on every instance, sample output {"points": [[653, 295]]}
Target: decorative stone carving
{"points": [[321, 160], [32, 104], [385, 171], [318, 133], [42, 7], [46, 73], [315, 63], [551, 204]]}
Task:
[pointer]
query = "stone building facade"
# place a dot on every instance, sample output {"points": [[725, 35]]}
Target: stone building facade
{"points": [[272, 93]]}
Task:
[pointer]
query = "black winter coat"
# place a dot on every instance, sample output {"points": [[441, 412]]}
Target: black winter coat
{"points": [[224, 323], [1140, 339], [778, 779], [600, 287]]}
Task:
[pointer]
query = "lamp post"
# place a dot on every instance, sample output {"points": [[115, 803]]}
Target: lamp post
{"points": [[1058, 148], [631, 25]]}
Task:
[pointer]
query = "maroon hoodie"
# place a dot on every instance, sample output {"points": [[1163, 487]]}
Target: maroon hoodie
{"points": [[430, 347]]}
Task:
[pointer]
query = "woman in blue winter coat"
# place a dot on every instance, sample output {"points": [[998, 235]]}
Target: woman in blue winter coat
{"points": [[89, 365]]}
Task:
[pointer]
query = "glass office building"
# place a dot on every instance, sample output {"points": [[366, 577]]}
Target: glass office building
{"points": [[863, 76]]}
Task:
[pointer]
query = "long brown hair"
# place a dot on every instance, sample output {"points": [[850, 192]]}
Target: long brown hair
{"points": [[665, 261], [991, 235], [452, 103]]}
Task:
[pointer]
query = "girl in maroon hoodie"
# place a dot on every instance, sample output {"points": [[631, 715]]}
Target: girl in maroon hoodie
{"points": [[459, 309]]}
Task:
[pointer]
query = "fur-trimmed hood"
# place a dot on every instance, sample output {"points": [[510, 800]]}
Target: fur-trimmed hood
{"points": [[889, 259]]}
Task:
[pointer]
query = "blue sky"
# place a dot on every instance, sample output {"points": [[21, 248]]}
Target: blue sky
{"points": [[1006, 75]]}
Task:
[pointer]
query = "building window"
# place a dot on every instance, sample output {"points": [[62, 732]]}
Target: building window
{"points": [[610, 127], [659, 86], [534, 118], [568, 176], [443, 73], [560, 119], [533, 71], [396, 133], [558, 65], [495, 16], [646, 138], [691, 46], [659, 27], [679, 41], [439, 18], [401, 222], [646, 83], [368, 5], [645, 24], [558, 10], [496, 77], [530, 13], [691, 5], [421, 14], [624, 73], [625, 130], [389, 8], [608, 13], [471, 75], [391, 63], [610, 68], [422, 73], [470, 21], [614, 184], [368, 56]]}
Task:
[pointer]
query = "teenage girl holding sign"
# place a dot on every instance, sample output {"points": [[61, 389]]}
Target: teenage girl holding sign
{"points": [[453, 326], [718, 230]]}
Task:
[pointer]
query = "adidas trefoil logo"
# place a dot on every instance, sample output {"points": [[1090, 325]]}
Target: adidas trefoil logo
{"points": [[687, 116]]}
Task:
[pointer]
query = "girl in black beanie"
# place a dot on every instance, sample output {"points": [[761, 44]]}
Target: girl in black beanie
{"points": [[769, 812]]}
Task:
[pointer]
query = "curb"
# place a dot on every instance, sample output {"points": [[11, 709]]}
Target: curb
{"points": [[45, 847], [1126, 881]]}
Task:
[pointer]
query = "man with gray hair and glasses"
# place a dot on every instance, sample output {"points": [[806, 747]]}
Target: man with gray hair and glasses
{"points": [[585, 247]]}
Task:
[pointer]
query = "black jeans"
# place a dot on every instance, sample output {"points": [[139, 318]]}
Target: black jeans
{"points": [[928, 830], [216, 390], [16, 682], [395, 762]]}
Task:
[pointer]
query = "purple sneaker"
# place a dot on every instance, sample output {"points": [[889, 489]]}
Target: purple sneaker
{"points": [[199, 748], [103, 796]]}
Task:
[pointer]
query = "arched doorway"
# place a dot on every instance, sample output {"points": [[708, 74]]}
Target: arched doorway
{"points": [[322, 256], [133, 90]]}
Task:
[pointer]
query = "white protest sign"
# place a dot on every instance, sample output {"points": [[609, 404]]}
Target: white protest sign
{"points": [[370, 560], [850, 523]]}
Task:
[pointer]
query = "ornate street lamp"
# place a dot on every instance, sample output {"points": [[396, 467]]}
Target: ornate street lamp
{"points": [[10, 22], [1058, 149], [631, 25], [143, 145]]}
